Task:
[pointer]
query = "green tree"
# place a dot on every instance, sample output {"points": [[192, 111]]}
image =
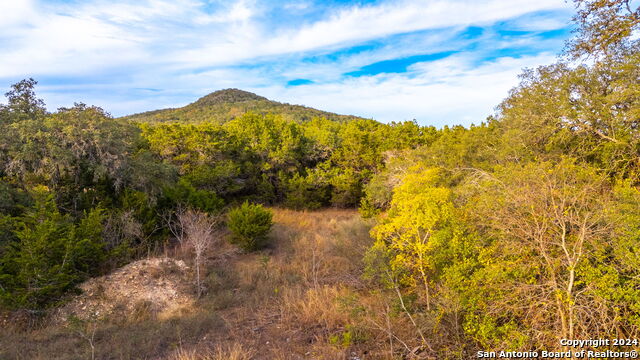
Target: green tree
{"points": [[425, 255], [50, 255], [22, 102], [81, 153], [586, 112], [249, 225], [544, 221], [603, 27]]}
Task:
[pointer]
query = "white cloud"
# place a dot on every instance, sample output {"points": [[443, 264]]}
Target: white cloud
{"points": [[189, 36], [297, 6], [359, 24], [448, 91], [185, 48], [14, 13]]}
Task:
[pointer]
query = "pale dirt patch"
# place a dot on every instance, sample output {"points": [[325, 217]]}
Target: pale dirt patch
{"points": [[157, 286]]}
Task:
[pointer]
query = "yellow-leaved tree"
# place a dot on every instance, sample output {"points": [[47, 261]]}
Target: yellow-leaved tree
{"points": [[420, 246]]}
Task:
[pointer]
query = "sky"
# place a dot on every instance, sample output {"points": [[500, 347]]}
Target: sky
{"points": [[440, 62]]}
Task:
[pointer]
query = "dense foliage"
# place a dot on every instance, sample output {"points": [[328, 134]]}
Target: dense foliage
{"points": [[225, 105], [132, 179], [508, 235], [250, 225], [523, 231]]}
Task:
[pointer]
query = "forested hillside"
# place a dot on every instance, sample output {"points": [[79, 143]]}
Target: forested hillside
{"points": [[507, 235], [224, 105], [102, 187]]}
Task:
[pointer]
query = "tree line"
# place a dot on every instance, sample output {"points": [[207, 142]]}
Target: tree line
{"points": [[83, 192], [507, 235], [524, 230]]}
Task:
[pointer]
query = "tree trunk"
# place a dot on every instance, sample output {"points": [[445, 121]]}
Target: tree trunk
{"points": [[198, 274]]}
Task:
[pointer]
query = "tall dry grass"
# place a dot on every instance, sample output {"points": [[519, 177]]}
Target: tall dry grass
{"points": [[302, 297], [234, 351]]}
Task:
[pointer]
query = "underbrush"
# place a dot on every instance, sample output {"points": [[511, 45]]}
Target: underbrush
{"points": [[232, 352], [301, 297], [128, 339]]}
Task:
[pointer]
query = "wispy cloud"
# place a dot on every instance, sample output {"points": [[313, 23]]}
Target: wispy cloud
{"points": [[443, 92], [375, 60]]}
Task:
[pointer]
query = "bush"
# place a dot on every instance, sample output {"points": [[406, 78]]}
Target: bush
{"points": [[304, 192], [249, 225], [50, 253]]}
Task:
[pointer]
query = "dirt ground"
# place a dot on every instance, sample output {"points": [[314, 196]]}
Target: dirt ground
{"points": [[160, 284]]}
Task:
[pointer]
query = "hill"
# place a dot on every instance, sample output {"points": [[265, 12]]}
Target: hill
{"points": [[224, 105]]}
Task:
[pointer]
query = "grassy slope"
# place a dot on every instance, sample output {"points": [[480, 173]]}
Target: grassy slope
{"points": [[301, 298], [225, 105]]}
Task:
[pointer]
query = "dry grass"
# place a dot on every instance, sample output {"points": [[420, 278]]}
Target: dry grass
{"points": [[150, 339], [308, 308], [235, 351], [324, 247], [301, 298]]}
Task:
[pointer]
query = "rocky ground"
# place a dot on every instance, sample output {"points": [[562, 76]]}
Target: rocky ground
{"points": [[161, 286]]}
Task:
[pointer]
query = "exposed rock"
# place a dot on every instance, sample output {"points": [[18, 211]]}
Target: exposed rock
{"points": [[157, 286]]}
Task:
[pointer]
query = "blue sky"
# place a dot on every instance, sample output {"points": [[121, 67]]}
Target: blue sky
{"points": [[437, 61]]}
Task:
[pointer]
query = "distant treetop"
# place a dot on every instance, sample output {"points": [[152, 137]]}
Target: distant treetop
{"points": [[228, 96]]}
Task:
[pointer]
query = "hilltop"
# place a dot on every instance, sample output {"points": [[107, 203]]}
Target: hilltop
{"points": [[224, 105]]}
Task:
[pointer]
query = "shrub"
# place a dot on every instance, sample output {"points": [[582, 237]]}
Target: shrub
{"points": [[305, 192], [50, 254], [250, 225]]}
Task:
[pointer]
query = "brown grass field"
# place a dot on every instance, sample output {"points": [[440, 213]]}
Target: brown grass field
{"points": [[303, 297]]}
